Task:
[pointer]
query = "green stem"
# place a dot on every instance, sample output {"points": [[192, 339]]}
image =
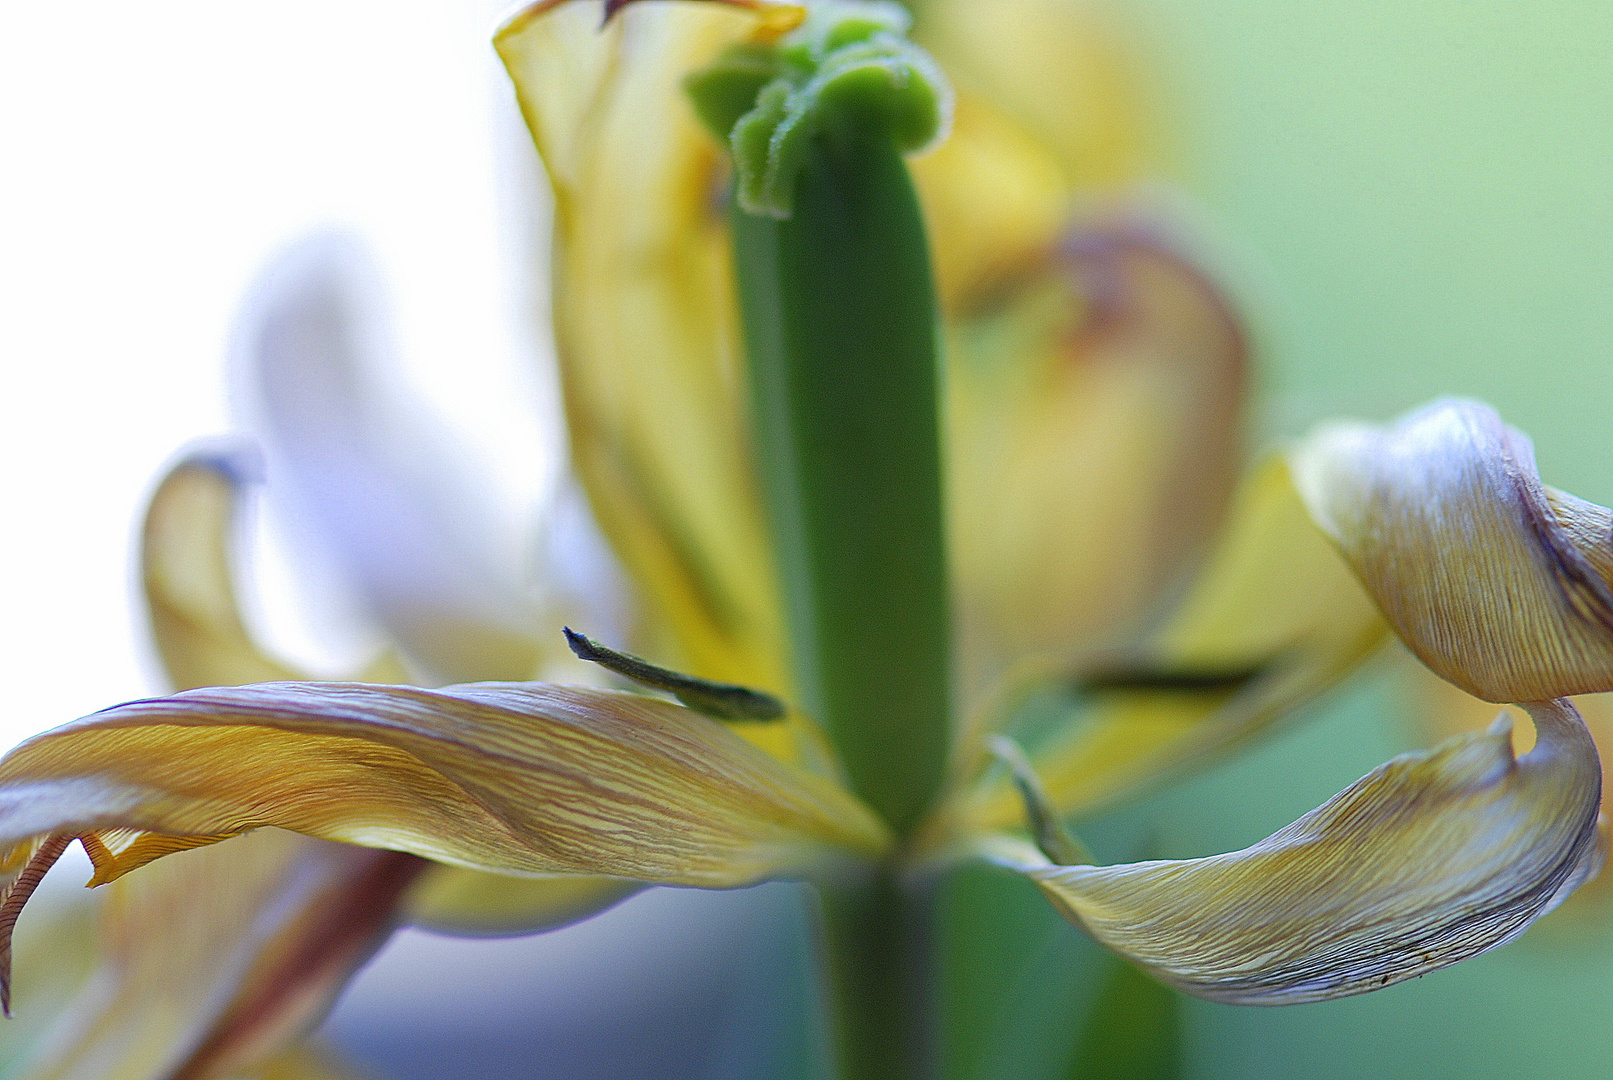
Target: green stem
{"points": [[840, 323], [875, 938]]}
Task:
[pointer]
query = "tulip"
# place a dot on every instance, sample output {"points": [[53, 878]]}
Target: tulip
{"points": [[854, 575]]}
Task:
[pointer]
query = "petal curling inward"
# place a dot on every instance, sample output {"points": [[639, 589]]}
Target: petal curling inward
{"points": [[1497, 582], [519, 778], [1093, 422], [1430, 859]]}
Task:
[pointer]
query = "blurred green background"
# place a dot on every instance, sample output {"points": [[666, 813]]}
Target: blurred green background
{"points": [[1415, 200]]}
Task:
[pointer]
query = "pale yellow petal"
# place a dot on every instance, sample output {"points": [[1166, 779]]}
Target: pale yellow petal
{"points": [[1093, 409], [514, 777], [473, 903], [186, 560], [308, 1062], [215, 959], [646, 325], [1497, 582], [994, 199], [1061, 68], [1430, 859], [1274, 619]]}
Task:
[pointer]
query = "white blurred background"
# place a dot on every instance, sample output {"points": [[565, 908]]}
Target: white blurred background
{"points": [[155, 155]]}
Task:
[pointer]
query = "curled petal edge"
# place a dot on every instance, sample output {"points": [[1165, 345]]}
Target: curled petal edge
{"points": [[1430, 859], [1500, 584]]}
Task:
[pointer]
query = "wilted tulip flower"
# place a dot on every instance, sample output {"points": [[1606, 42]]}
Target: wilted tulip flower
{"points": [[887, 456]]}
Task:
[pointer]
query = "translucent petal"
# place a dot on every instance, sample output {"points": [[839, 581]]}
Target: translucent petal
{"points": [[1430, 859], [1497, 582], [372, 478], [521, 778]]}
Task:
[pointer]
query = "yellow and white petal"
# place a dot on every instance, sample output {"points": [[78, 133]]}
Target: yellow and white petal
{"points": [[1497, 582], [1275, 619], [518, 778], [646, 322], [372, 482], [1093, 419], [1430, 859], [214, 960]]}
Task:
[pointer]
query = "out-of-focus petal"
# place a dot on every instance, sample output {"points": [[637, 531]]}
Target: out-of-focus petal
{"points": [[215, 959], [307, 1062], [1275, 618], [522, 778], [1059, 68], [646, 322], [369, 476], [979, 241], [471, 903], [1430, 859], [1093, 411], [1497, 582], [185, 562]]}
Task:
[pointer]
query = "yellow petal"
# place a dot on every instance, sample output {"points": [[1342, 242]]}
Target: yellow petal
{"points": [[1497, 582], [1093, 412], [1275, 619], [524, 778], [213, 960], [307, 1062], [646, 324], [1430, 859], [1059, 68], [981, 240], [186, 562], [471, 903], [186, 557]]}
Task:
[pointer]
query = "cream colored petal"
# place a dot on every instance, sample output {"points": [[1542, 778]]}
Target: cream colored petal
{"points": [[1274, 619], [186, 562], [213, 960], [523, 778], [646, 324], [1430, 859], [1093, 409], [1497, 582], [1061, 68], [373, 481]]}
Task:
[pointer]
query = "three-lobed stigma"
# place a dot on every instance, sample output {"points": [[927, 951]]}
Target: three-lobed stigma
{"points": [[847, 74]]}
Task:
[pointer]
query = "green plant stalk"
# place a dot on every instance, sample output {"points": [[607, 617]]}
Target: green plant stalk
{"points": [[840, 319], [840, 324]]}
